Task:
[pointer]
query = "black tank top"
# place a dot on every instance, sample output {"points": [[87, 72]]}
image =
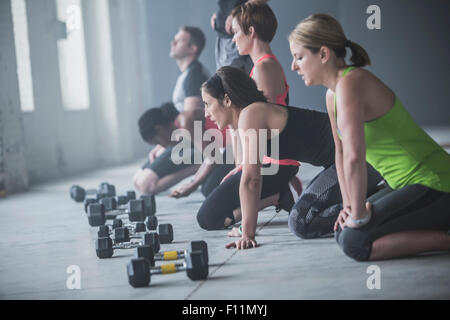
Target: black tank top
{"points": [[307, 137]]}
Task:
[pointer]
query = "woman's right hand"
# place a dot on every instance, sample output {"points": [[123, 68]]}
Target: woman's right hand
{"points": [[242, 243]]}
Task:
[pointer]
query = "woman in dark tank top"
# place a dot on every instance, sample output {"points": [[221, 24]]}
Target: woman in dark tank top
{"points": [[232, 100]]}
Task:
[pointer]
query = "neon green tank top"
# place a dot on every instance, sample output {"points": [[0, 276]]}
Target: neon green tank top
{"points": [[402, 152]]}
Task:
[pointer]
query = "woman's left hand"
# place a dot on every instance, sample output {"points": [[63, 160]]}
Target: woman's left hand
{"points": [[242, 243], [343, 220]]}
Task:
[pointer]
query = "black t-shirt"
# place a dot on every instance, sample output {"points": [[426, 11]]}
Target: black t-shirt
{"points": [[188, 84], [225, 8]]}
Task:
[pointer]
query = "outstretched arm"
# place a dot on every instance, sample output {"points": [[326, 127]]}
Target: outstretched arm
{"points": [[200, 176], [351, 124], [251, 121]]}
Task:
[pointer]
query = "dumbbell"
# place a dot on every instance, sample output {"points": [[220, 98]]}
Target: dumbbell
{"points": [[112, 205], [120, 200], [134, 209], [150, 205], [151, 223], [120, 235], [131, 195], [104, 231], [147, 252], [104, 247], [163, 236], [139, 271], [78, 194]]}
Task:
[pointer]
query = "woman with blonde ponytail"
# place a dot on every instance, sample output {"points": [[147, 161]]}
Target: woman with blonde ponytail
{"points": [[368, 121]]}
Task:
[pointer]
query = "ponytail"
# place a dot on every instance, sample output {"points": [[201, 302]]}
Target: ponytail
{"points": [[359, 57], [320, 30]]}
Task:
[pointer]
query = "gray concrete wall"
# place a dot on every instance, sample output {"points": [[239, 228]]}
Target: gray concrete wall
{"points": [[13, 171], [410, 53], [59, 142]]}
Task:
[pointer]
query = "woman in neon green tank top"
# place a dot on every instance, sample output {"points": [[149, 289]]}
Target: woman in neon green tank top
{"points": [[368, 121]]}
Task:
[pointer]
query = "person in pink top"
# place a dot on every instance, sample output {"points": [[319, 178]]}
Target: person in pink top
{"points": [[254, 25]]}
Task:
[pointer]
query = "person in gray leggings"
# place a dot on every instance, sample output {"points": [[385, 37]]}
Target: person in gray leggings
{"points": [[318, 207]]}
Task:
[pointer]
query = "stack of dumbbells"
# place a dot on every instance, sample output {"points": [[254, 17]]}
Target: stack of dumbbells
{"points": [[130, 220]]}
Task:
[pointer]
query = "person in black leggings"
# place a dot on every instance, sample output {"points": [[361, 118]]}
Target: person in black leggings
{"points": [[305, 136]]}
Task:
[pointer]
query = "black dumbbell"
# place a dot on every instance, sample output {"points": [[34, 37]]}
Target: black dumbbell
{"points": [[124, 234], [131, 195], [139, 271], [120, 236], [87, 202], [134, 209], [78, 193], [163, 236], [104, 247], [165, 232], [147, 252], [151, 222], [150, 204]]}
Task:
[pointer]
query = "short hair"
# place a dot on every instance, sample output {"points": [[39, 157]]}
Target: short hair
{"points": [[197, 37], [148, 121], [259, 16]]}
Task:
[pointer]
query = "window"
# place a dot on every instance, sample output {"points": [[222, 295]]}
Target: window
{"points": [[72, 57], [21, 43]]}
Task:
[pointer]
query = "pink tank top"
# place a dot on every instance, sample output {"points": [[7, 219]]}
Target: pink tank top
{"points": [[281, 99]]}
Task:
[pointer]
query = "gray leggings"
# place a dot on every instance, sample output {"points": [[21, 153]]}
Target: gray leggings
{"points": [[411, 208], [319, 205]]}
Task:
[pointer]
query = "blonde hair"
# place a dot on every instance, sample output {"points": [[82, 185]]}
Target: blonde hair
{"points": [[320, 30]]}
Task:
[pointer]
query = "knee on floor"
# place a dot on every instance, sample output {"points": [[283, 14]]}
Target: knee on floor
{"points": [[352, 242]]}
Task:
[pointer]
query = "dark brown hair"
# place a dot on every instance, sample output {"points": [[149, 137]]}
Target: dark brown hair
{"points": [[259, 16], [240, 88], [197, 38]]}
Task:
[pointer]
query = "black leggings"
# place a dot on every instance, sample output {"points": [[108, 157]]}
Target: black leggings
{"points": [[215, 177], [220, 203], [411, 208], [319, 205]]}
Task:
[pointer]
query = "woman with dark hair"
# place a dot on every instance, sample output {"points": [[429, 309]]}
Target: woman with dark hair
{"points": [[232, 99], [369, 122], [254, 25]]}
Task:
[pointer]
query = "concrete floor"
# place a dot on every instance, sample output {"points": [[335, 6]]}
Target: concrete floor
{"points": [[44, 232]]}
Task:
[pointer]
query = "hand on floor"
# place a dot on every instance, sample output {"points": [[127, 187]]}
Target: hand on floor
{"points": [[183, 191], [243, 243]]}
